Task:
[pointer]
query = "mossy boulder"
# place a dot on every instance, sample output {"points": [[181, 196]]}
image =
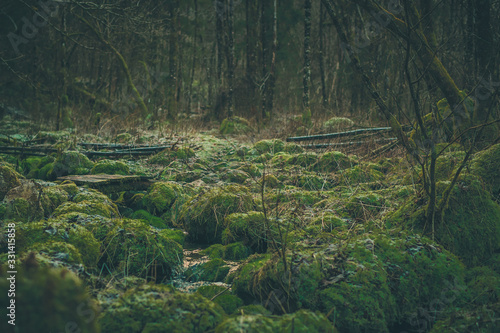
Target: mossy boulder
{"points": [[310, 182], [56, 195], [183, 153], [55, 299], [176, 235], [214, 270], [282, 289], [203, 216], [302, 321], [224, 298], [123, 137], [152, 220], [269, 146], [70, 188], [59, 251], [249, 228], [236, 176], [485, 164], [469, 226], [165, 198], [31, 234], [447, 163], [235, 125], [87, 207], [9, 178], [27, 202], [337, 123], [366, 173], [332, 161], [306, 160], [158, 308], [233, 251], [365, 206], [70, 163], [110, 167], [132, 246]]}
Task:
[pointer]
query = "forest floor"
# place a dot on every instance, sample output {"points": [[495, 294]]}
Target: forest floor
{"points": [[233, 236]]}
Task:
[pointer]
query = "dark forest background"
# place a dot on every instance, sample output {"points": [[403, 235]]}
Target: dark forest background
{"points": [[73, 63]]}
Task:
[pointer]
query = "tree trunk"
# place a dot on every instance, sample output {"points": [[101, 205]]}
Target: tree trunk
{"points": [[306, 116], [230, 59]]}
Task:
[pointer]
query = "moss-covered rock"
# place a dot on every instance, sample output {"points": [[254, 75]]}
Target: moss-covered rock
{"points": [[174, 234], [269, 146], [365, 173], [470, 225], [123, 137], [337, 123], [233, 251], [154, 221], [249, 228], [365, 206], [447, 163], [56, 195], [70, 188], [165, 197], [134, 247], [303, 321], [60, 251], [485, 164], [110, 167], [235, 125], [183, 153], [31, 234], [203, 215], [214, 270], [55, 299], [9, 178], [333, 161], [87, 207], [71, 163], [157, 308], [27, 202], [236, 176], [225, 299]]}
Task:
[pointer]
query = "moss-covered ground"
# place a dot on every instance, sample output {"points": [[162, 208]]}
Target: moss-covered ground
{"points": [[263, 237]]}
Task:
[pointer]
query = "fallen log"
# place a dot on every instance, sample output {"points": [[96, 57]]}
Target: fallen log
{"points": [[337, 135]]}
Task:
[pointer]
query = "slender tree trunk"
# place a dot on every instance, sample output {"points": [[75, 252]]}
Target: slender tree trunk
{"points": [[272, 69], [324, 98], [193, 64], [264, 54], [306, 116], [230, 59]]}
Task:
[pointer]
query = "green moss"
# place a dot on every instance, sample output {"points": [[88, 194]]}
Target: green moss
{"points": [[253, 309], [28, 235], [330, 222], [134, 248], [236, 176], [310, 182], [61, 251], [174, 234], [69, 163], [333, 161], [214, 270], [164, 197], [293, 289], [225, 299], [235, 125], [302, 321], [203, 216], [360, 174], [184, 153], [110, 167], [9, 179], [251, 169], [69, 187], [304, 159], [214, 251], [52, 297], [123, 138], [249, 228], [293, 148], [56, 195], [245, 275], [485, 164], [236, 251], [156, 308], [447, 163], [27, 202], [269, 146], [365, 206], [87, 207], [336, 123], [154, 221]]}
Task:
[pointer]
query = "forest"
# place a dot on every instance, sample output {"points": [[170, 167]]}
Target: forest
{"points": [[250, 166]]}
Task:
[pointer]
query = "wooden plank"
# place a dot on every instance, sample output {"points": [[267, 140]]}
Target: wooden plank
{"points": [[336, 135]]}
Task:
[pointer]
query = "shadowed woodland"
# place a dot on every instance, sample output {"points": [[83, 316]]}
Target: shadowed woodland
{"points": [[250, 165]]}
